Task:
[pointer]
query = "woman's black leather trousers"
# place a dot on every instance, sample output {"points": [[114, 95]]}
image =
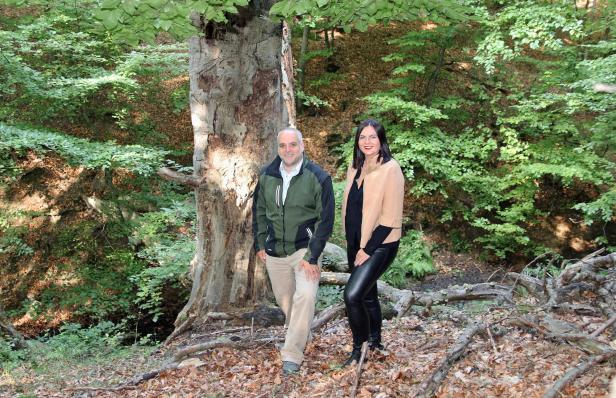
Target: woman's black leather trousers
{"points": [[361, 296]]}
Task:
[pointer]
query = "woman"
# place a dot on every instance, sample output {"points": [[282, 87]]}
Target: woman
{"points": [[372, 218]]}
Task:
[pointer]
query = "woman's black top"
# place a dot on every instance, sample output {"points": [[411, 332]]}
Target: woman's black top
{"points": [[353, 217]]}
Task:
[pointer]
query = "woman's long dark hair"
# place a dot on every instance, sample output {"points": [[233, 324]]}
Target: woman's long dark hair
{"points": [[384, 153]]}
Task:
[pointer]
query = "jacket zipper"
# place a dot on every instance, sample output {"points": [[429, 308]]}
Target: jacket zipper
{"points": [[279, 200]]}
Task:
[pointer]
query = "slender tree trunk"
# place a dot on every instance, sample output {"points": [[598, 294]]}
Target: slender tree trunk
{"points": [[241, 95], [431, 86], [326, 38], [302, 58]]}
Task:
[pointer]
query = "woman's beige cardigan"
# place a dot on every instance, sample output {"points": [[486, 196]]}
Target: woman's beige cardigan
{"points": [[383, 198]]}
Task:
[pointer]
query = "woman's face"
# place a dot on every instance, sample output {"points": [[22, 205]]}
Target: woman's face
{"points": [[369, 143]]}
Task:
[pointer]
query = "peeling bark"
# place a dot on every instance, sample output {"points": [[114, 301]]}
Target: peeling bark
{"points": [[240, 97]]}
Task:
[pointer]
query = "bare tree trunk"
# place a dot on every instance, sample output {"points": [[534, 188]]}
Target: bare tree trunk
{"points": [[241, 95]]}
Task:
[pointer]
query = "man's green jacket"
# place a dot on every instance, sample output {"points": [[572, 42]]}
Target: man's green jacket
{"points": [[305, 219]]}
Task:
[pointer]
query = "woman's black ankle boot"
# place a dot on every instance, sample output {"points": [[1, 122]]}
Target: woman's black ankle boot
{"points": [[354, 357], [374, 342], [376, 346]]}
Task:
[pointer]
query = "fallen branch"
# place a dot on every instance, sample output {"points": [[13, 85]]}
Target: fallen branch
{"points": [[576, 371], [362, 358], [326, 315], [428, 387], [184, 179], [219, 342], [404, 298], [606, 325], [587, 265], [555, 329]]}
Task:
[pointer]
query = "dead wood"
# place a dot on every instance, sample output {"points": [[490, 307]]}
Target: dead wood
{"points": [[533, 285], [362, 358], [576, 371], [184, 179], [606, 325], [586, 267], [218, 342], [559, 330], [326, 315], [428, 387], [405, 298]]}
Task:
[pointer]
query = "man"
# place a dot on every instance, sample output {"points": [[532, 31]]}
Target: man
{"points": [[293, 216]]}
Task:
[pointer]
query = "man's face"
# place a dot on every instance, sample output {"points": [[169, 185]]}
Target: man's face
{"points": [[290, 149]]}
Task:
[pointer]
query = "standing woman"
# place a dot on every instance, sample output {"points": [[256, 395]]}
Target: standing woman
{"points": [[372, 219]]}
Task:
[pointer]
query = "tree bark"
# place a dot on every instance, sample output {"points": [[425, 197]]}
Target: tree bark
{"points": [[241, 95]]}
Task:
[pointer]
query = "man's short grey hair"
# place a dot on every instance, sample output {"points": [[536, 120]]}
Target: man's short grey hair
{"points": [[292, 130]]}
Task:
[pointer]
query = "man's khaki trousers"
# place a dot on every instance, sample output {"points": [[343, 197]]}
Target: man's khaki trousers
{"points": [[296, 295]]}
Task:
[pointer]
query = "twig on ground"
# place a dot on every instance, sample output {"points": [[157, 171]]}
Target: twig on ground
{"points": [[428, 387], [364, 351], [603, 327]]}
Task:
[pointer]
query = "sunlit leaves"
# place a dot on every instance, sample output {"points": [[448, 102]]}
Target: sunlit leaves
{"points": [[527, 25], [135, 158]]}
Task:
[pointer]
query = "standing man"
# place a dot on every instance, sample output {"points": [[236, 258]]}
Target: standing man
{"points": [[293, 216]]}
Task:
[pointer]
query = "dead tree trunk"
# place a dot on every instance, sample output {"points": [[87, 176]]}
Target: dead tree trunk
{"points": [[241, 95]]}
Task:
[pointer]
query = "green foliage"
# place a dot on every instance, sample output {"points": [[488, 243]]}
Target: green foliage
{"points": [[9, 357], [72, 346], [413, 260], [360, 15], [73, 342], [97, 78], [327, 296], [488, 157], [523, 25], [324, 79], [121, 17], [171, 253], [179, 99], [11, 233], [311, 100], [601, 209], [338, 237], [78, 151], [104, 289]]}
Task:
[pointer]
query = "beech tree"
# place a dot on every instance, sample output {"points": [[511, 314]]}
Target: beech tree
{"points": [[241, 95]]}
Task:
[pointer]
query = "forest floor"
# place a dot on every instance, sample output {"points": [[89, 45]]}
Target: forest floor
{"points": [[518, 364], [521, 363]]}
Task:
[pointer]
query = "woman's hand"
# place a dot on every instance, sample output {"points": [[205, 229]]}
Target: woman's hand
{"points": [[361, 257]]}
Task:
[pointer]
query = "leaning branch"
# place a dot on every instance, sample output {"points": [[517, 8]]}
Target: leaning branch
{"points": [[183, 179]]}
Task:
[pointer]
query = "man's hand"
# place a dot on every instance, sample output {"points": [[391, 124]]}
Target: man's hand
{"points": [[261, 255], [361, 257], [313, 271]]}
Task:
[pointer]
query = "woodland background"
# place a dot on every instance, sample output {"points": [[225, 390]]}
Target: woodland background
{"points": [[501, 114]]}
